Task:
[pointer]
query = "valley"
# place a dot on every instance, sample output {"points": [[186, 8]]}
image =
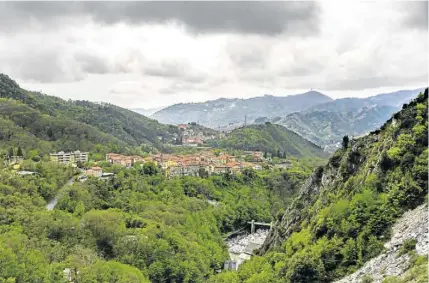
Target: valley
{"points": [[214, 142], [133, 215]]}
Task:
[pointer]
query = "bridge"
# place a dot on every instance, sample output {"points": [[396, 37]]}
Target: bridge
{"points": [[253, 224]]}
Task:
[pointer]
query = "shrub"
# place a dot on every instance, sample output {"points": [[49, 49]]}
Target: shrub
{"points": [[408, 246], [367, 279]]}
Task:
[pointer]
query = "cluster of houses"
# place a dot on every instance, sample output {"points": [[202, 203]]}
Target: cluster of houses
{"points": [[123, 160], [206, 162], [192, 135]]}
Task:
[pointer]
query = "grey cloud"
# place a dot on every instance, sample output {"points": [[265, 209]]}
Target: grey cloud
{"points": [[52, 65], [415, 14], [186, 86], [374, 82], [174, 69], [302, 68], [166, 69], [298, 18], [91, 63], [43, 66], [249, 56]]}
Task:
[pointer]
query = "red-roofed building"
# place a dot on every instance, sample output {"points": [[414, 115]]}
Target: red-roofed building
{"points": [[94, 171]]}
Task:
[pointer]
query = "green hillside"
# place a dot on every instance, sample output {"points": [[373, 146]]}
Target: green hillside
{"points": [[329, 127], [35, 120], [270, 138], [344, 212]]}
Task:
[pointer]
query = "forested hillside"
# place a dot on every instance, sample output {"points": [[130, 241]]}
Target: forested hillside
{"points": [[136, 227], [35, 120], [344, 212], [269, 138], [329, 127]]}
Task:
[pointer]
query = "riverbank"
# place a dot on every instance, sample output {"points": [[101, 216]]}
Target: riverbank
{"points": [[241, 247]]}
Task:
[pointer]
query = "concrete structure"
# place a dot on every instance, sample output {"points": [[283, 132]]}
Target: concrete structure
{"points": [[253, 225], [25, 173], [69, 157], [230, 265]]}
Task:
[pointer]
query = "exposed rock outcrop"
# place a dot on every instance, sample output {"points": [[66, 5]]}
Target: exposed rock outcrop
{"points": [[412, 225], [323, 178]]}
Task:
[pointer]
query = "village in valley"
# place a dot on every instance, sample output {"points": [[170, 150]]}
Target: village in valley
{"points": [[207, 162], [204, 161]]}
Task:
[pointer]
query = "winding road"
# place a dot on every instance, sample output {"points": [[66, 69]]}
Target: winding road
{"points": [[51, 204]]}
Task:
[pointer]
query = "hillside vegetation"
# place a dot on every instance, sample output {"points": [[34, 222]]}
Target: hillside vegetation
{"points": [[35, 120], [329, 127], [136, 227], [345, 211], [269, 138]]}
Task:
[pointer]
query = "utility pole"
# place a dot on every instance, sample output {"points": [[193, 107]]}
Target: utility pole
{"points": [[245, 120]]}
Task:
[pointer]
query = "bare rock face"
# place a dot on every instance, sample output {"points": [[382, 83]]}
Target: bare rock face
{"points": [[412, 225]]}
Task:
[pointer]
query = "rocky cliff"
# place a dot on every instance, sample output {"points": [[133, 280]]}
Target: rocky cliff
{"points": [[347, 209], [382, 154], [323, 180], [394, 261]]}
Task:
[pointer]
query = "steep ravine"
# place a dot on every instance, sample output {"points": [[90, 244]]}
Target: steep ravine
{"points": [[412, 225], [323, 178], [372, 189]]}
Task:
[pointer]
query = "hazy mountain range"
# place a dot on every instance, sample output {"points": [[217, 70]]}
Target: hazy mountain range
{"points": [[325, 124], [312, 115], [221, 112], [148, 111]]}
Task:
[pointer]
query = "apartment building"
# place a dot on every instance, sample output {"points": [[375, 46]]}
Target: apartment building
{"points": [[69, 157]]}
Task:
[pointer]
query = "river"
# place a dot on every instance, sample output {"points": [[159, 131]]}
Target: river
{"points": [[241, 246]]}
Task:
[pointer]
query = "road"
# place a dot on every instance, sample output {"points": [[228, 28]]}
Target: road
{"points": [[51, 204]]}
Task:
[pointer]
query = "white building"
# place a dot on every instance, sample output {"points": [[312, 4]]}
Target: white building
{"points": [[69, 157]]}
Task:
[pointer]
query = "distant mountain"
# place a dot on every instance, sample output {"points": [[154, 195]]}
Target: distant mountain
{"points": [[325, 124], [271, 138], [34, 120], [223, 112], [328, 127], [395, 99], [146, 112]]}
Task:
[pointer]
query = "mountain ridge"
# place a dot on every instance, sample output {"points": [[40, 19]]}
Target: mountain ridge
{"points": [[224, 111], [270, 138], [97, 121]]}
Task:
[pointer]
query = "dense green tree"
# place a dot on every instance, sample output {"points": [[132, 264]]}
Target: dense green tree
{"points": [[19, 152], [345, 142]]}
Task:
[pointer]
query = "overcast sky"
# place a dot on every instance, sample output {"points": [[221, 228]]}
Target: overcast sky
{"points": [[150, 54]]}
